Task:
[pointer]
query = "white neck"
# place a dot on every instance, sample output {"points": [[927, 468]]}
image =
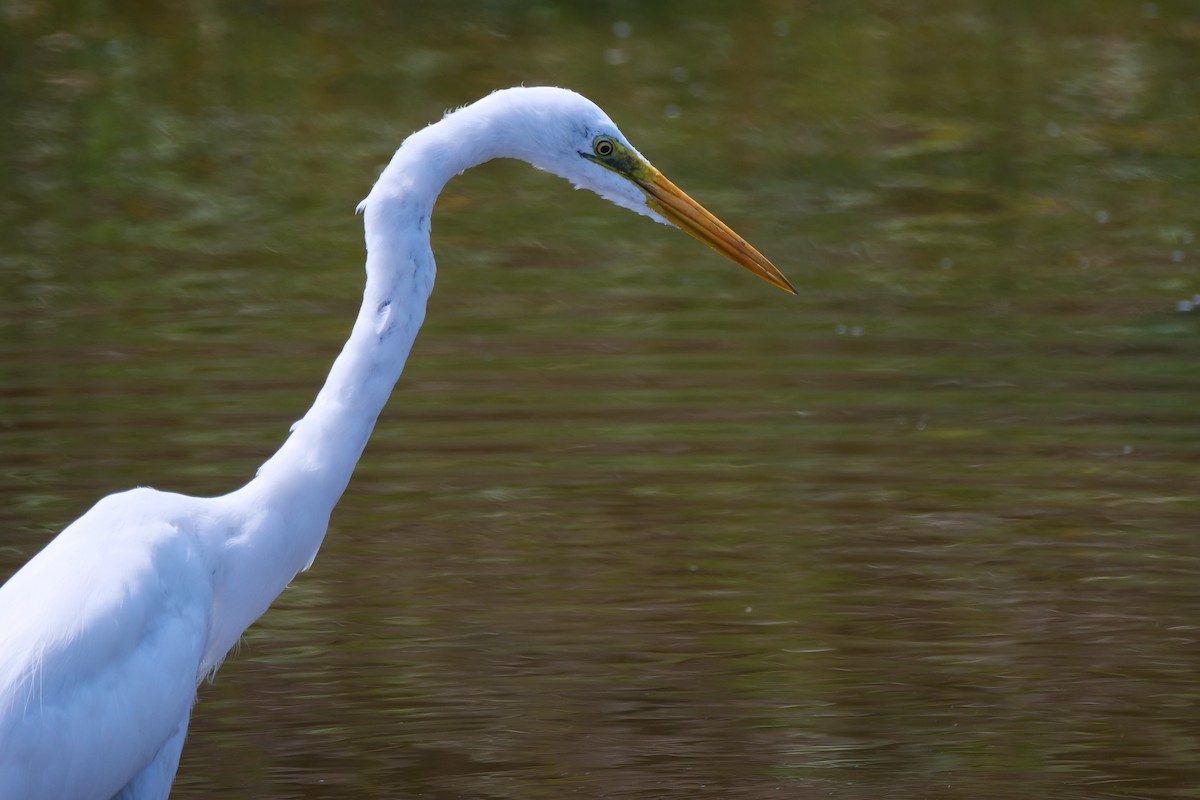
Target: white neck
{"points": [[284, 511], [307, 476], [315, 463]]}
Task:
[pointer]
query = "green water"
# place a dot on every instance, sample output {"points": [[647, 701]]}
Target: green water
{"points": [[636, 524]]}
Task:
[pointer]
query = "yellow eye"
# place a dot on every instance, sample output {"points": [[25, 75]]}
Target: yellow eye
{"points": [[603, 146]]}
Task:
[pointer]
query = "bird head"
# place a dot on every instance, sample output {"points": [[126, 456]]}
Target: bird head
{"points": [[564, 133]]}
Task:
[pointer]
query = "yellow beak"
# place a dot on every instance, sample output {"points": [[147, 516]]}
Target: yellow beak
{"points": [[669, 200]]}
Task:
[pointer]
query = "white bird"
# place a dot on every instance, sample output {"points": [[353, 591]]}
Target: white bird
{"points": [[105, 634]]}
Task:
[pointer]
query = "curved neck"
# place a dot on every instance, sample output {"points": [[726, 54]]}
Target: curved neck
{"points": [[277, 521], [304, 480], [310, 471]]}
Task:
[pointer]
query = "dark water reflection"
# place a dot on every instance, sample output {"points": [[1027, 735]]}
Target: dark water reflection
{"points": [[634, 524]]}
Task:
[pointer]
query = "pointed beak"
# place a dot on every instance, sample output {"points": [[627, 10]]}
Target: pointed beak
{"points": [[676, 207]]}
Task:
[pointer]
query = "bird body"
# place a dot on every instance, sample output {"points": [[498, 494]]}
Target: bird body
{"points": [[105, 633], [102, 637]]}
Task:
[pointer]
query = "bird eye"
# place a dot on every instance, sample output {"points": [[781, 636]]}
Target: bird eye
{"points": [[603, 146]]}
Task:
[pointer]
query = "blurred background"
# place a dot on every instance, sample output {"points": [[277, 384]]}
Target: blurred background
{"points": [[636, 524]]}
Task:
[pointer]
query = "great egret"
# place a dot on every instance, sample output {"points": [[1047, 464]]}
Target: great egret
{"points": [[105, 634]]}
